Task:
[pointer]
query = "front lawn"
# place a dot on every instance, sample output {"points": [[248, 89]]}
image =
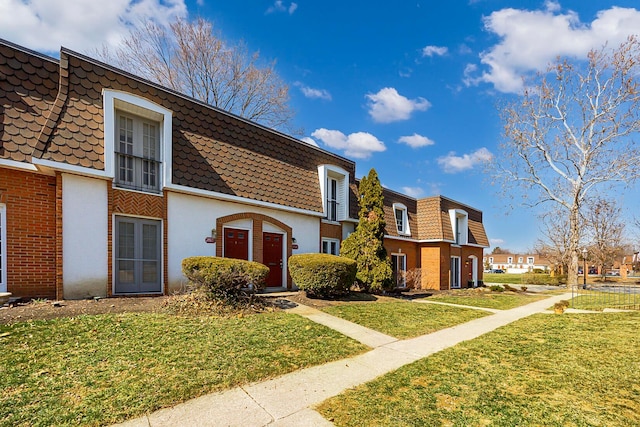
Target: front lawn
{"points": [[404, 319], [545, 370], [499, 301], [96, 370]]}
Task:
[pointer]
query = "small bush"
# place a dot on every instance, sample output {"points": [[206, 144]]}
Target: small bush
{"points": [[496, 288], [510, 288], [322, 275], [224, 279], [543, 279], [561, 306]]}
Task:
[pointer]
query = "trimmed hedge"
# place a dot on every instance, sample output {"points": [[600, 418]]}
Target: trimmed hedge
{"points": [[223, 277], [322, 274]]}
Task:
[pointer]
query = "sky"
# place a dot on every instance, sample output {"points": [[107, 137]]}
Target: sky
{"points": [[410, 88]]}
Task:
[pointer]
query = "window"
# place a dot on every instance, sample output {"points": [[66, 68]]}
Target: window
{"points": [[137, 151], [460, 226], [520, 260], [510, 260], [3, 249], [137, 142], [399, 269], [331, 246], [455, 272], [530, 260], [490, 260], [402, 219], [332, 199], [334, 189], [137, 256]]}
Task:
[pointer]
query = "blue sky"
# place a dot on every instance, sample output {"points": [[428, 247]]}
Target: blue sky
{"points": [[411, 88]]}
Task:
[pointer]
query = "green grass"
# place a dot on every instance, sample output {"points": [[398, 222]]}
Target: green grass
{"points": [[96, 370], [404, 319], [546, 370], [502, 278], [489, 300]]}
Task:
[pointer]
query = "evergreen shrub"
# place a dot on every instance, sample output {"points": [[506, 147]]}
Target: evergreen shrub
{"points": [[224, 278], [322, 275]]}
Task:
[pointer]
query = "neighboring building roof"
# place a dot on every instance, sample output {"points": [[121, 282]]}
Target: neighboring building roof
{"points": [[429, 218], [503, 258]]}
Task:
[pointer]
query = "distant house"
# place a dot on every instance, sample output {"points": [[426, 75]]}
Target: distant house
{"points": [[442, 238], [516, 263], [108, 181]]}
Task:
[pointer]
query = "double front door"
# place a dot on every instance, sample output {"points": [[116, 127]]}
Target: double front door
{"points": [[236, 245]]}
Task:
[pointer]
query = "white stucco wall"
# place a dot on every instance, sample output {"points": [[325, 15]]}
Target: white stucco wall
{"points": [[191, 218], [84, 236]]}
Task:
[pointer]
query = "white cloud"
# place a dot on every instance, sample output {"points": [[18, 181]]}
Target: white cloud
{"points": [[81, 25], [434, 51], [453, 164], [532, 39], [313, 93], [309, 141], [416, 141], [280, 6], [360, 145], [496, 242], [415, 192], [388, 105]]}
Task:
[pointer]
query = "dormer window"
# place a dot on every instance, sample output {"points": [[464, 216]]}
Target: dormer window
{"points": [[460, 226], [137, 142], [402, 219], [334, 188]]}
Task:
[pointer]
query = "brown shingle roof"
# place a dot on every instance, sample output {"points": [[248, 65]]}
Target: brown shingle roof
{"points": [[28, 89], [391, 197], [212, 150]]}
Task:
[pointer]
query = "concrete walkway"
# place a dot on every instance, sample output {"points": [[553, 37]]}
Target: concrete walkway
{"points": [[287, 400]]}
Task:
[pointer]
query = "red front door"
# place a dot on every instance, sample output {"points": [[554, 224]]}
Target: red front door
{"points": [[272, 246], [236, 243]]}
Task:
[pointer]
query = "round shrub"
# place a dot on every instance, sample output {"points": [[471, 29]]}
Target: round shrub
{"points": [[224, 278], [322, 274]]}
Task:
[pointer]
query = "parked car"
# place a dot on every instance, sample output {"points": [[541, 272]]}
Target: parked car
{"points": [[497, 270]]}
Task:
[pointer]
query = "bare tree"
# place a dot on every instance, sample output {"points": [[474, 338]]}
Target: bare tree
{"points": [[571, 134], [606, 229], [554, 245], [191, 58]]}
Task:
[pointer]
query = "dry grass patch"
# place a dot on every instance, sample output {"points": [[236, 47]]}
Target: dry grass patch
{"points": [[570, 370]]}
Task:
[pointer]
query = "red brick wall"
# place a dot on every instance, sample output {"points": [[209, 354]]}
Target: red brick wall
{"points": [[30, 201]]}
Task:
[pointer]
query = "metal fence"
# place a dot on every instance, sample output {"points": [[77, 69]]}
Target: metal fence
{"points": [[606, 295]]}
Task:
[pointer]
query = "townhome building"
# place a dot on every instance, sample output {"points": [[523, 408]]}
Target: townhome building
{"points": [[108, 181]]}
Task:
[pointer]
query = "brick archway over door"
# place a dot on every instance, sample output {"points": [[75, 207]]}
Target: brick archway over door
{"points": [[258, 220]]}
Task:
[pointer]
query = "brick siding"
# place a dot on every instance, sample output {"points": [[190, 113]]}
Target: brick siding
{"points": [[32, 241]]}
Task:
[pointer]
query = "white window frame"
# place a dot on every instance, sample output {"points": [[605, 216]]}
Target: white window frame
{"points": [[329, 242], [326, 173], [510, 260], [404, 219], [530, 260], [116, 101], [460, 226], [520, 260], [456, 273], [403, 257], [491, 260], [3, 247]]}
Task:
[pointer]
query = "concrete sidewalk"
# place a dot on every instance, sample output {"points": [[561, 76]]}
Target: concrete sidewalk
{"points": [[287, 400]]}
